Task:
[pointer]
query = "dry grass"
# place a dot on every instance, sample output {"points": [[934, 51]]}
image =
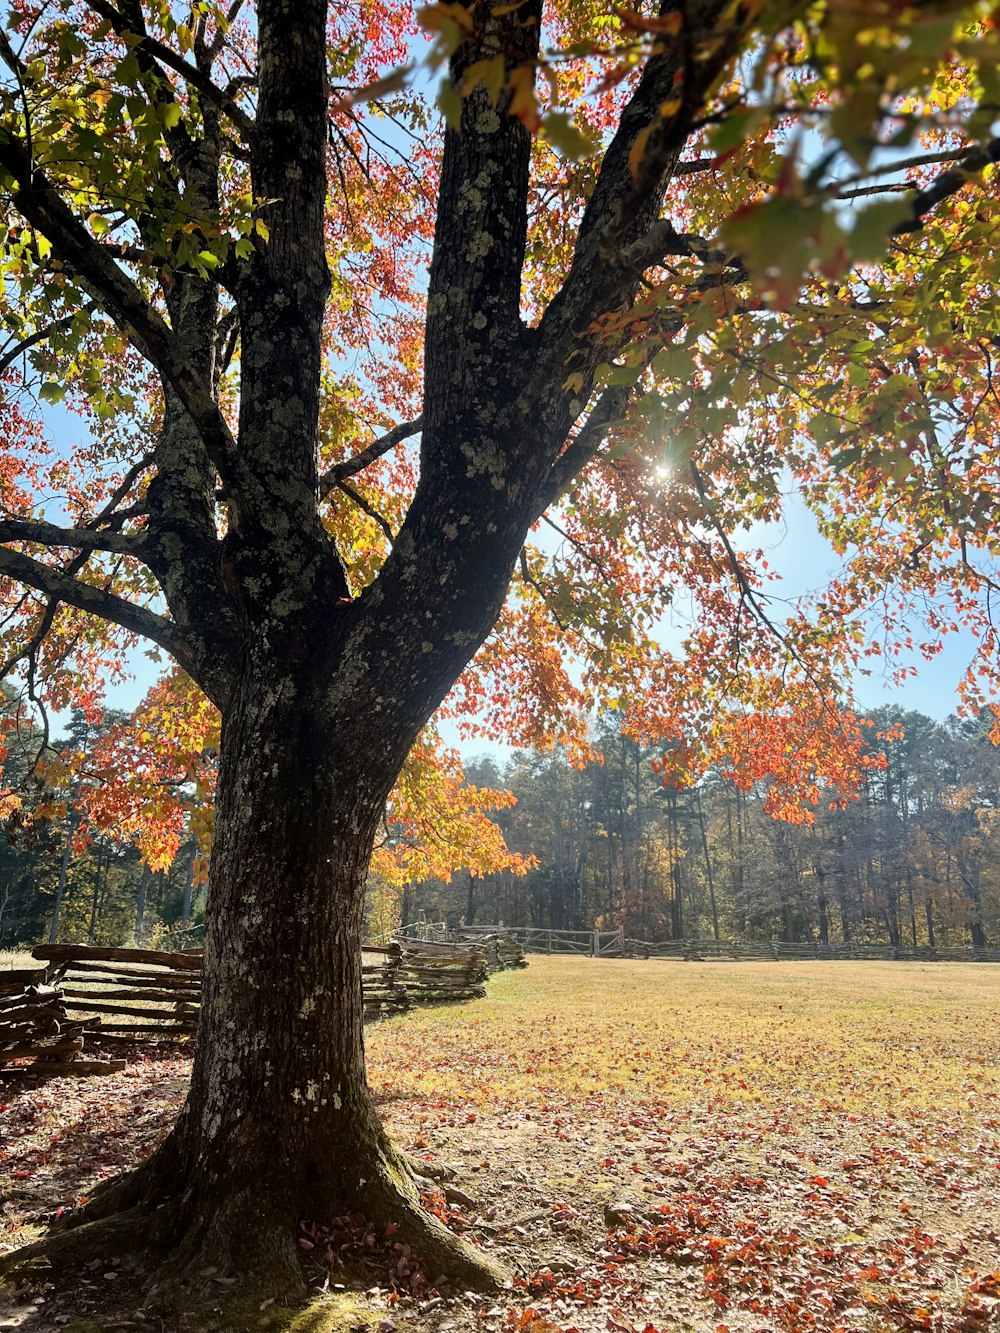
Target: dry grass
{"points": [[859, 1036], [15, 958], [803, 1146]]}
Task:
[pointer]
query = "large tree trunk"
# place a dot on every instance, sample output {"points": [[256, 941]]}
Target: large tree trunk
{"points": [[279, 1124]]}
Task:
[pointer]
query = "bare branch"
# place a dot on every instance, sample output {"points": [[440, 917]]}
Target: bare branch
{"points": [[110, 511], [351, 466], [63, 587], [366, 508], [527, 577], [195, 77], [25, 344]]}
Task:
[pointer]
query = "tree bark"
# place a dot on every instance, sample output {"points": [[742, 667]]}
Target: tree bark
{"points": [[279, 1124]]}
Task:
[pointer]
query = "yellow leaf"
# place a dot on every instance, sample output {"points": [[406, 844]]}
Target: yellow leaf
{"points": [[435, 17], [670, 107], [490, 73], [638, 150], [574, 382], [523, 102]]}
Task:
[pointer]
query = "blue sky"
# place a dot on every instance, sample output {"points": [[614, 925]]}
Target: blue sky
{"points": [[798, 555]]}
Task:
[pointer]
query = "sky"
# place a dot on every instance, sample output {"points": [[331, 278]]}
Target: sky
{"points": [[801, 560]]}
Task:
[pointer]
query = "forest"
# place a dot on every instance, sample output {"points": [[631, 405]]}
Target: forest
{"points": [[613, 843], [913, 860]]}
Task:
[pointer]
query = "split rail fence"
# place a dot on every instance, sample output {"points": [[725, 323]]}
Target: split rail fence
{"points": [[35, 1026], [122, 994], [614, 944]]}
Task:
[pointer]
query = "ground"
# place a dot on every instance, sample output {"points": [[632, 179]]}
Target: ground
{"points": [[649, 1146]]}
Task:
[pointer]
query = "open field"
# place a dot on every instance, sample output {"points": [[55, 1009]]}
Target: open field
{"points": [[650, 1146]]}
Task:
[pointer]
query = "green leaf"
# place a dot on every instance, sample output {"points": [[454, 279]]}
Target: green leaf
{"points": [[737, 127], [567, 138], [52, 392], [450, 105], [873, 226], [673, 362]]}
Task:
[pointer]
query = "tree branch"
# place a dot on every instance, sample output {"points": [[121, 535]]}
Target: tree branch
{"points": [[194, 76], [42, 206], [96, 601], [25, 344], [351, 466], [608, 409], [973, 161], [81, 539], [366, 508]]}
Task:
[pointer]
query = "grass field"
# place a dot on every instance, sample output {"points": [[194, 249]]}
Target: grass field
{"points": [[727, 1148], [803, 1146]]}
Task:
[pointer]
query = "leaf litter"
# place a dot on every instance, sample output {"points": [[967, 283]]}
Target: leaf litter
{"points": [[711, 1179]]}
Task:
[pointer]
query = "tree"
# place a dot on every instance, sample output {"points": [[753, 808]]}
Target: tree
{"points": [[207, 252]]}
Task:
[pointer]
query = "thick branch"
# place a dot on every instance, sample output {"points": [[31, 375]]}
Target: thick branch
{"points": [[948, 183], [474, 291], [96, 601], [350, 467], [81, 539], [624, 208], [583, 448], [39, 202]]}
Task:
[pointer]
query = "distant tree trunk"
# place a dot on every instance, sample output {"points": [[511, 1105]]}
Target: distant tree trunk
{"points": [[929, 915], [912, 905], [61, 886], [708, 864], [673, 850], [99, 860], [189, 887], [822, 906], [140, 908], [739, 887], [842, 894], [470, 900]]}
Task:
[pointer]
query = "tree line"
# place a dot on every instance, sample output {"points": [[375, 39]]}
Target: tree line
{"points": [[914, 860]]}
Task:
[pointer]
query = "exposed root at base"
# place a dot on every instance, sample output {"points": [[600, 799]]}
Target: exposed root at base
{"points": [[421, 1170], [442, 1252], [204, 1254], [132, 1232]]}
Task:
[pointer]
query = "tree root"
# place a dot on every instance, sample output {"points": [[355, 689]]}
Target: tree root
{"points": [[205, 1252], [421, 1170], [391, 1198], [135, 1231]]}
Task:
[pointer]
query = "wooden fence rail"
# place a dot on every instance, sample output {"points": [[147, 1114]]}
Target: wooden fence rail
{"points": [[147, 992], [613, 944]]}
